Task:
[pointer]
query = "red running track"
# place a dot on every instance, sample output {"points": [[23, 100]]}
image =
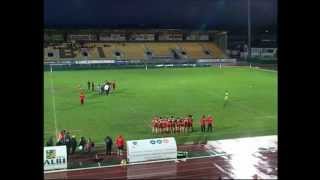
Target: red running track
{"points": [[190, 169]]}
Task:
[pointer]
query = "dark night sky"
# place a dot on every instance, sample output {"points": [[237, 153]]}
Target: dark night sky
{"points": [[166, 13]]}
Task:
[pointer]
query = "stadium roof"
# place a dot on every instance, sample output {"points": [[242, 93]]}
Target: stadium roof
{"points": [[196, 14]]}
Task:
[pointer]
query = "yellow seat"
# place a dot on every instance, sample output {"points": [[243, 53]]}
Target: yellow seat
{"points": [[217, 52], [193, 50], [131, 51], [161, 49]]}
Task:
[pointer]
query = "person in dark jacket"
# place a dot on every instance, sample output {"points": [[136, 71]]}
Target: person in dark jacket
{"points": [[102, 89], [50, 142], [108, 142], [107, 88], [114, 85], [82, 143], [73, 144], [89, 85], [59, 143], [68, 142], [92, 86]]}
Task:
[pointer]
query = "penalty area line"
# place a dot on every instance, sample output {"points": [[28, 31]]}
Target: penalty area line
{"points": [[267, 70]]}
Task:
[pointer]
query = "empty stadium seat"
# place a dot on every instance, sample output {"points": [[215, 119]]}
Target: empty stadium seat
{"points": [[132, 51], [161, 49], [136, 51], [193, 50], [215, 50]]}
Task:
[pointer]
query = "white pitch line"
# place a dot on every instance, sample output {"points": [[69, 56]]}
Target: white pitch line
{"points": [[267, 70], [54, 105], [80, 169], [220, 168], [76, 130], [263, 117], [253, 67]]}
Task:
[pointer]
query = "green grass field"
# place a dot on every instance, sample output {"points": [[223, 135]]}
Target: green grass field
{"points": [[141, 94]]}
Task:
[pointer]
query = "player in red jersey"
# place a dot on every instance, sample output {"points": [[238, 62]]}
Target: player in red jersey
{"points": [[164, 125], [209, 121], [167, 125], [82, 96], [162, 122], [153, 123], [190, 129], [120, 144], [174, 125], [180, 125], [186, 124], [171, 126], [160, 125], [177, 125], [157, 125], [203, 123]]}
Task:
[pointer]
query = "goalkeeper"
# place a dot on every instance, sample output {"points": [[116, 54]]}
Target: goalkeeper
{"points": [[226, 98]]}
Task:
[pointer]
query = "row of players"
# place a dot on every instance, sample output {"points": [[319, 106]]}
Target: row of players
{"points": [[172, 125], [180, 125]]}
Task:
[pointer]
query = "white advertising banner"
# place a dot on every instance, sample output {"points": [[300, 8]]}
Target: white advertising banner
{"points": [[228, 60], [208, 60], [151, 149], [95, 62], [55, 157], [216, 60]]}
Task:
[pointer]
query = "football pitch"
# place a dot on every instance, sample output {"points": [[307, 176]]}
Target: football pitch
{"points": [[141, 94]]}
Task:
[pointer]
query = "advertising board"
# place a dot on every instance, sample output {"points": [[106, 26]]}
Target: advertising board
{"points": [[55, 157], [151, 149]]}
